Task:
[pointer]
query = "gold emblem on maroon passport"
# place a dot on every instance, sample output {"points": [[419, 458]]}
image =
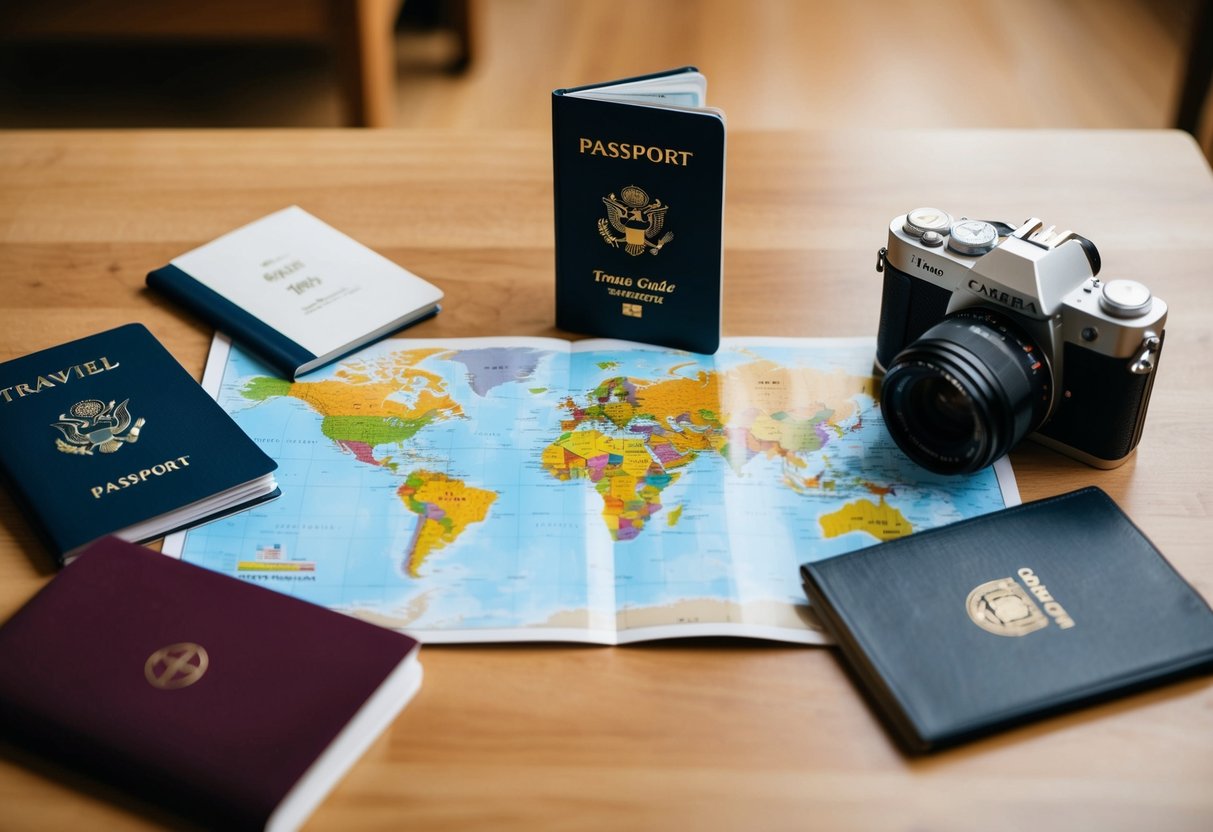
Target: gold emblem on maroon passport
{"points": [[92, 425], [637, 218], [176, 666], [1004, 608]]}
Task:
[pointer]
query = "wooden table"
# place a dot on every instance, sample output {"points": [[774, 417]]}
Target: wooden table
{"points": [[681, 735]]}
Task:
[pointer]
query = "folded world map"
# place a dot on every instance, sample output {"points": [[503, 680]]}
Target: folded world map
{"points": [[535, 489]]}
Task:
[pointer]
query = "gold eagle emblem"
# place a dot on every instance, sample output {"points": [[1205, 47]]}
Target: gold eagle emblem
{"points": [[95, 425], [637, 219]]}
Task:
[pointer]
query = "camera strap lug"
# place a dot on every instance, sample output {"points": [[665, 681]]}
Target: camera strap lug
{"points": [[1144, 363], [880, 255]]}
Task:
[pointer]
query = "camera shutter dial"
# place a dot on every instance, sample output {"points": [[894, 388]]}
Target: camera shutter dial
{"points": [[973, 237], [921, 220], [1125, 298]]}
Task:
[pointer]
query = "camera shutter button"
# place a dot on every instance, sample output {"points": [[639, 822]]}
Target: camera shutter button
{"points": [[921, 220], [1125, 298], [932, 238]]}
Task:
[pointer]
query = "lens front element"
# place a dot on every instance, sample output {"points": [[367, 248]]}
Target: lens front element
{"points": [[965, 393]]}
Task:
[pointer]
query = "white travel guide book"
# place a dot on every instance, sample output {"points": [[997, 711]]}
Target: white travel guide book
{"points": [[296, 290]]}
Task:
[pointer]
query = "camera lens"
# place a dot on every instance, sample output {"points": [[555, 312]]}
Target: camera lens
{"points": [[965, 393]]}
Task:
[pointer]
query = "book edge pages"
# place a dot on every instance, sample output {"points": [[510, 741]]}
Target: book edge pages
{"points": [[371, 720]]}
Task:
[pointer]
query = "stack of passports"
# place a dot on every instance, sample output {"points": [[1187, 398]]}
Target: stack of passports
{"points": [[222, 702], [964, 629], [110, 435], [639, 179]]}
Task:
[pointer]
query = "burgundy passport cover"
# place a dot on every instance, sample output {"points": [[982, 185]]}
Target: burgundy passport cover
{"points": [[82, 681]]}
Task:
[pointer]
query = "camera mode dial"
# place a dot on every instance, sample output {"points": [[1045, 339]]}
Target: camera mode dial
{"points": [[922, 220], [973, 237]]}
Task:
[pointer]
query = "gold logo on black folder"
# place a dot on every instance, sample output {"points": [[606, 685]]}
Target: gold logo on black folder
{"points": [[637, 219], [1003, 608], [96, 426], [176, 666]]}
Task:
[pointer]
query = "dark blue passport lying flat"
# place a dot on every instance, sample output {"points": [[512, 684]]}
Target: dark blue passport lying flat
{"points": [[110, 435], [964, 629]]}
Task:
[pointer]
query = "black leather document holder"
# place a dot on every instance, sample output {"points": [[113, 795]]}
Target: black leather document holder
{"points": [[968, 628]]}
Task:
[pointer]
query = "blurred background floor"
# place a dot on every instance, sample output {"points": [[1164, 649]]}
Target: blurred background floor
{"points": [[770, 64]]}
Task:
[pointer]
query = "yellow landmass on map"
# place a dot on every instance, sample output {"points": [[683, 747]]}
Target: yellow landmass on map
{"points": [[445, 507], [392, 366], [881, 520], [624, 472], [697, 399], [339, 398]]}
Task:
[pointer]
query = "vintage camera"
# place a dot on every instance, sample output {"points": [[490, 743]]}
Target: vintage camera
{"points": [[991, 332]]}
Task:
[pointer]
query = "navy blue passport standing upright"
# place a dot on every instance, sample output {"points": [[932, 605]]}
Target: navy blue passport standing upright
{"points": [[968, 628], [639, 201], [110, 435]]}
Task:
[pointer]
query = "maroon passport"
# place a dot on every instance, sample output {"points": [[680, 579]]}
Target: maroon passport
{"points": [[224, 702]]}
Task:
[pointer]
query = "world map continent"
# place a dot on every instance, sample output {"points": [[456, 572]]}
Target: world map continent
{"points": [[632, 438], [361, 410]]}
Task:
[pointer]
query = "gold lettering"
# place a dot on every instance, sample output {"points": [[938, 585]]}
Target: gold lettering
{"points": [[632, 152], [602, 277], [51, 380], [655, 286], [1051, 606], [140, 476]]}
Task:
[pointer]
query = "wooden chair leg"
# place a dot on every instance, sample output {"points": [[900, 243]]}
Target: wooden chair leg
{"points": [[1198, 72], [364, 48], [458, 19]]}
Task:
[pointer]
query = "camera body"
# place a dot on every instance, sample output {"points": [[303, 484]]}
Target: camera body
{"points": [[983, 317]]}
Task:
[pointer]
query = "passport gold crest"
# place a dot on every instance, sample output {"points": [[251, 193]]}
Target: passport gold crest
{"points": [[176, 666], [92, 425], [1003, 608], [637, 218]]}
